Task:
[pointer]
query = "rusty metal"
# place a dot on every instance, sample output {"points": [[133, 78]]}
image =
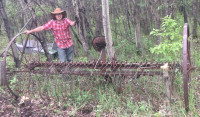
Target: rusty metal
{"points": [[104, 68], [4, 66], [97, 65], [99, 43], [5, 54], [31, 65], [185, 65]]}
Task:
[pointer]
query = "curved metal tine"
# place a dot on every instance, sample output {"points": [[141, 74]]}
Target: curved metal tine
{"points": [[137, 70], [43, 83], [30, 83], [39, 49], [68, 68], [5, 54], [125, 70], [25, 25], [24, 46]]}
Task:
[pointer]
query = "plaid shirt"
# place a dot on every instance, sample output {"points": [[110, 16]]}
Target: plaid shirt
{"points": [[61, 32]]}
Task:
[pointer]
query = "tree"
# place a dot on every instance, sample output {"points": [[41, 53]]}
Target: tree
{"points": [[10, 33], [42, 38], [156, 16], [107, 30], [129, 20], [98, 18], [0, 27], [81, 26], [195, 12], [136, 20]]}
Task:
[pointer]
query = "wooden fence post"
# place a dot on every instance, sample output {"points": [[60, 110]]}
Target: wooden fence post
{"points": [[167, 81]]}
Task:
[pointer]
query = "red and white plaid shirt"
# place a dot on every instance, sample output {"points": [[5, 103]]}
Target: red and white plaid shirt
{"points": [[61, 32]]}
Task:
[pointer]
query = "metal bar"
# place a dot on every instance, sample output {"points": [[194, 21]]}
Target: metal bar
{"points": [[185, 66], [97, 65]]}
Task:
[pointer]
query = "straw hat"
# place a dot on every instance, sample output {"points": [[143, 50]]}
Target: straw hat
{"points": [[58, 11]]}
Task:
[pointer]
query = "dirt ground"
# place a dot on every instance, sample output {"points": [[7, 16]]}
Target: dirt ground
{"points": [[25, 107]]}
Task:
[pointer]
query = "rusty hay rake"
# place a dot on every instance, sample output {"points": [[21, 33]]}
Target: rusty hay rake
{"points": [[32, 64]]}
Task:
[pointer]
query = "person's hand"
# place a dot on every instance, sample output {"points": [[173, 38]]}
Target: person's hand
{"points": [[73, 23], [27, 32]]}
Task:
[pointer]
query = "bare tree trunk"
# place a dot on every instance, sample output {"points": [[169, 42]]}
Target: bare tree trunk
{"points": [[53, 3], [169, 7], [80, 26], [20, 13], [194, 12], [184, 12], [114, 14], [10, 33], [156, 16], [128, 12], [86, 23], [42, 39], [98, 18], [145, 20], [136, 20], [0, 27], [107, 30], [174, 8]]}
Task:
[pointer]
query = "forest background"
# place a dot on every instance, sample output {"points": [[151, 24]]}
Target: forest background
{"points": [[141, 30]]}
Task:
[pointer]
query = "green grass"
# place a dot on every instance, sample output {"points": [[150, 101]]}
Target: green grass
{"points": [[73, 93], [76, 92]]}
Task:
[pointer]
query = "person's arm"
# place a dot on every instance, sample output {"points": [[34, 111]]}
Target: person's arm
{"points": [[72, 23], [38, 29]]}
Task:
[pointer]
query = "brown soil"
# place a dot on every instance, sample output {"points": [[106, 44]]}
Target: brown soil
{"points": [[38, 108]]}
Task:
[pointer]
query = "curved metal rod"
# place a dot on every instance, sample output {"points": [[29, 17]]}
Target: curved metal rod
{"points": [[4, 66], [39, 39], [4, 57], [4, 63]]}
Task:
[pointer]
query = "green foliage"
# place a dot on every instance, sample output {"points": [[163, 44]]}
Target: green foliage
{"points": [[4, 43], [170, 47], [9, 9], [102, 97], [14, 80], [83, 59], [195, 50]]}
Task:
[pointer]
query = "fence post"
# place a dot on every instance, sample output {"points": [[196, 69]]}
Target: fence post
{"points": [[167, 81]]}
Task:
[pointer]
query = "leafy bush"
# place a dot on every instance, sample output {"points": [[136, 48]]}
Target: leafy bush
{"points": [[170, 47]]}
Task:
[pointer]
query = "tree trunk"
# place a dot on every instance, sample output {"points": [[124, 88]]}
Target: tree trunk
{"points": [[156, 16], [10, 33], [0, 27], [128, 12], [80, 27], [169, 8], [194, 11], [146, 19], [2, 74], [42, 38], [98, 18], [107, 30], [136, 20], [184, 12]]}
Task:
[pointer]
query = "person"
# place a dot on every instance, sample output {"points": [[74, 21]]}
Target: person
{"points": [[59, 25]]}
